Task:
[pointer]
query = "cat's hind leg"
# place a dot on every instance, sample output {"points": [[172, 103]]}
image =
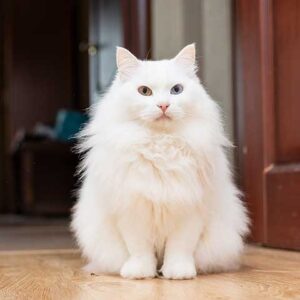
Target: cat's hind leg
{"points": [[218, 250], [108, 253], [101, 244]]}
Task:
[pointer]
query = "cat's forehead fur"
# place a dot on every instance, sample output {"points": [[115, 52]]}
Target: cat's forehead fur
{"points": [[157, 72]]}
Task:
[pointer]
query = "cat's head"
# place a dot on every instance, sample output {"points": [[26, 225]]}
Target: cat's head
{"points": [[158, 93]]}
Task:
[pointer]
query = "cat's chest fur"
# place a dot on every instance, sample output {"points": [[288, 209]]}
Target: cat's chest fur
{"points": [[165, 152], [164, 168]]}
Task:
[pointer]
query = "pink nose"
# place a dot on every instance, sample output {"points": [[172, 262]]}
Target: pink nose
{"points": [[163, 107]]}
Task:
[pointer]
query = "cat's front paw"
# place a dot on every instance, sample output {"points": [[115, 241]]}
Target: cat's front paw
{"points": [[181, 269], [139, 268]]}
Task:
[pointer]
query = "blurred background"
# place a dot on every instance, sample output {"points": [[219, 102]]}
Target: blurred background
{"points": [[57, 56]]}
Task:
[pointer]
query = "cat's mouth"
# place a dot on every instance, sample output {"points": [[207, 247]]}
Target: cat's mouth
{"points": [[163, 117]]}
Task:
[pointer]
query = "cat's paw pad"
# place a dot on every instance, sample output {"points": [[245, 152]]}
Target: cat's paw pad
{"points": [[179, 270], [139, 268]]}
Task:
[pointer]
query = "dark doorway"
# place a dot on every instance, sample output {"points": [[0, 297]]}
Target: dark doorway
{"points": [[56, 56]]}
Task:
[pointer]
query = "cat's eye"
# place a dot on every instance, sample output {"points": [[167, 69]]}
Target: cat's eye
{"points": [[144, 90], [176, 89]]}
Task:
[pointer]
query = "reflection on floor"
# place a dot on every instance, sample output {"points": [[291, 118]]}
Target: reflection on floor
{"points": [[22, 233]]}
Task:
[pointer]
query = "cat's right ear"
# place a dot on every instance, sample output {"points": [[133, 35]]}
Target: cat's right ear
{"points": [[127, 63], [187, 58]]}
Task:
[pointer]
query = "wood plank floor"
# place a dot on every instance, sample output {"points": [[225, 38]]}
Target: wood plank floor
{"points": [[55, 274]]}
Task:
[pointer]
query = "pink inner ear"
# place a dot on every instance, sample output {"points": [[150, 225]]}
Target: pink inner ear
{"points": [[126, 62], [187, 56]]}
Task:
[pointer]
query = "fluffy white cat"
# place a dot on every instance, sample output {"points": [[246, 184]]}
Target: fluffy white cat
{"points": [[157, 191]]}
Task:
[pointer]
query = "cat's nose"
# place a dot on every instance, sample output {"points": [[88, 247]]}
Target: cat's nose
{"points": [[163, 107]]}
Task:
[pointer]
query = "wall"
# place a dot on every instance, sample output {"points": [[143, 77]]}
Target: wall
{"points": [[167, 28], [216, 46], [176, 23]]}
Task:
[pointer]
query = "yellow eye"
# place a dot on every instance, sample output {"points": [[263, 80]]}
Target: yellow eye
{"points": [[144, 90]]}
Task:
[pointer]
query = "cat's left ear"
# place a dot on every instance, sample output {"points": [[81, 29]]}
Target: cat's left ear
{"points": [[187, 58], [127, 63]]}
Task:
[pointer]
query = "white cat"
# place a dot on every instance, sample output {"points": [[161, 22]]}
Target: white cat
{"points": [[157, 191]]}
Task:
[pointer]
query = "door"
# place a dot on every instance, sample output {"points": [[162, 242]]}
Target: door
{"points": [[267, 43], [36, 74], [105, 33], [107, 24]]}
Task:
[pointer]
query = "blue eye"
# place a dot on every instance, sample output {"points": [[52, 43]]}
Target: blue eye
{"points": [[176, 89]]}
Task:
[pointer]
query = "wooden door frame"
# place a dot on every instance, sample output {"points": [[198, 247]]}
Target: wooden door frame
{"points": [[136, 23], [2, 132], [254, 115], [5, 73], [137, 27]]}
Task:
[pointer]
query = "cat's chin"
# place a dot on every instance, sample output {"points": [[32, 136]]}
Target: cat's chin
{"points": [[163, 118], [163, 124]]}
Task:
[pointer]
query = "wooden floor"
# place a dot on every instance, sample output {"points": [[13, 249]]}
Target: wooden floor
{"points": [[55, 274]]}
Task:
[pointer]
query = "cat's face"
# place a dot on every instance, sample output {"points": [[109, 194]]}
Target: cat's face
{"points": [[158, 92]]}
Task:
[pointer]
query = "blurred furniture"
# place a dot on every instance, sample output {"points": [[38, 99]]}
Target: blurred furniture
{"points": [[68, 124], [45, 177]]}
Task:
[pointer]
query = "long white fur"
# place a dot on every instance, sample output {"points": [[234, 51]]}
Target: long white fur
{"points": [[157, 193]]}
